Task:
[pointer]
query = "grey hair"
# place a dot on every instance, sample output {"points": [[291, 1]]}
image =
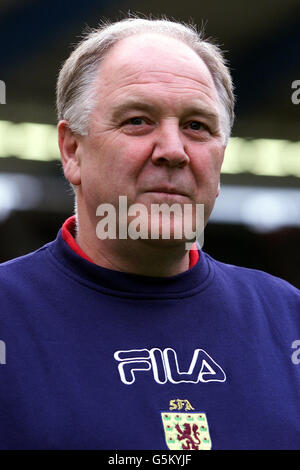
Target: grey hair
{"points": [[77, 77]]}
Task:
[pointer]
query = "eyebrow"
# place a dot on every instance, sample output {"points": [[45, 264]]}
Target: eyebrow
{"points": [[202, 111], [132, 104], [135, 104]]}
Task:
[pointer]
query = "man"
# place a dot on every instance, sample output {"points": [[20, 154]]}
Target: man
{"points": [[120, 342]]}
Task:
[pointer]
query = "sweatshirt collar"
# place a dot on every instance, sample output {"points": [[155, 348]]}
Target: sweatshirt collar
{"points": [[68, 234], [77, 266]]}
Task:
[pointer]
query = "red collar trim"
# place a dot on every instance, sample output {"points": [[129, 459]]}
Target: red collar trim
{"points": [[194, 256], [68, 229]]}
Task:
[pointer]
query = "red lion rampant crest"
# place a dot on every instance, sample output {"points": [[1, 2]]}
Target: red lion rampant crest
{"points": [[189, 434]]}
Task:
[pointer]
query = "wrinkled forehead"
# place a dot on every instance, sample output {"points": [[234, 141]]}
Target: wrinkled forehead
{"points": [[146, 56]]}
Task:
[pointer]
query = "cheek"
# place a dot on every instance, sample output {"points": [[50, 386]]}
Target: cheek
{"points": [[207, 163], [131, 156], [215, 155], [113, 169]]}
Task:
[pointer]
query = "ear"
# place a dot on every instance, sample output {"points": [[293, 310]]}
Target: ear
{"points": [[68, 146]]}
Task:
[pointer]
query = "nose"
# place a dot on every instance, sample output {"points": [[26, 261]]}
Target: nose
{"points": [[169, 147]]}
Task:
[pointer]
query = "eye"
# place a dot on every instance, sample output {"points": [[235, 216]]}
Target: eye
{"points": [[136, 121], [137, 125], [197, 126]]}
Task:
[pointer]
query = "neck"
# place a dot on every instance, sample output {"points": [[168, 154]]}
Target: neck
{"points": [[158, 258]]}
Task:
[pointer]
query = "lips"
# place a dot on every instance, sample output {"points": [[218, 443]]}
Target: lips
{"points": [[166, 190]]}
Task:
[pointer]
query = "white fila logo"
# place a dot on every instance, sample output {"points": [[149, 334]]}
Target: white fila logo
{"points": [[164, 366]]}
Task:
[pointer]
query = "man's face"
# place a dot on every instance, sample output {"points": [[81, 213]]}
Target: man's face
{"points": [[154, 133]]}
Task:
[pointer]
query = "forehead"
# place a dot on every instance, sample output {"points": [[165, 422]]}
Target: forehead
{"points": [[154, 64]]}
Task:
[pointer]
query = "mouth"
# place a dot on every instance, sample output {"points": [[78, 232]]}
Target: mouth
{"points": [[167, 191]]}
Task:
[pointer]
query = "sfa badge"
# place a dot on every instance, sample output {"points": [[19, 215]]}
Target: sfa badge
{"points": [[186, 431]]}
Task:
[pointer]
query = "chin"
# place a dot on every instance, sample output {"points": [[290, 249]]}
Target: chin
{"points": [[166, 244]]}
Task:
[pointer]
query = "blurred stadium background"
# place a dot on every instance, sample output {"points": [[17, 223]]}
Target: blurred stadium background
{"points": [[256, 221]]}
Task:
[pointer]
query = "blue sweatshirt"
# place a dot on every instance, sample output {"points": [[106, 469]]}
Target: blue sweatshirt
{"points": [[93, 358]]}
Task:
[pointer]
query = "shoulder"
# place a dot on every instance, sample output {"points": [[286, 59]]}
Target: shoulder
{"points": [[23, 266], [253, 280], [24, 259], [255, 297]]}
